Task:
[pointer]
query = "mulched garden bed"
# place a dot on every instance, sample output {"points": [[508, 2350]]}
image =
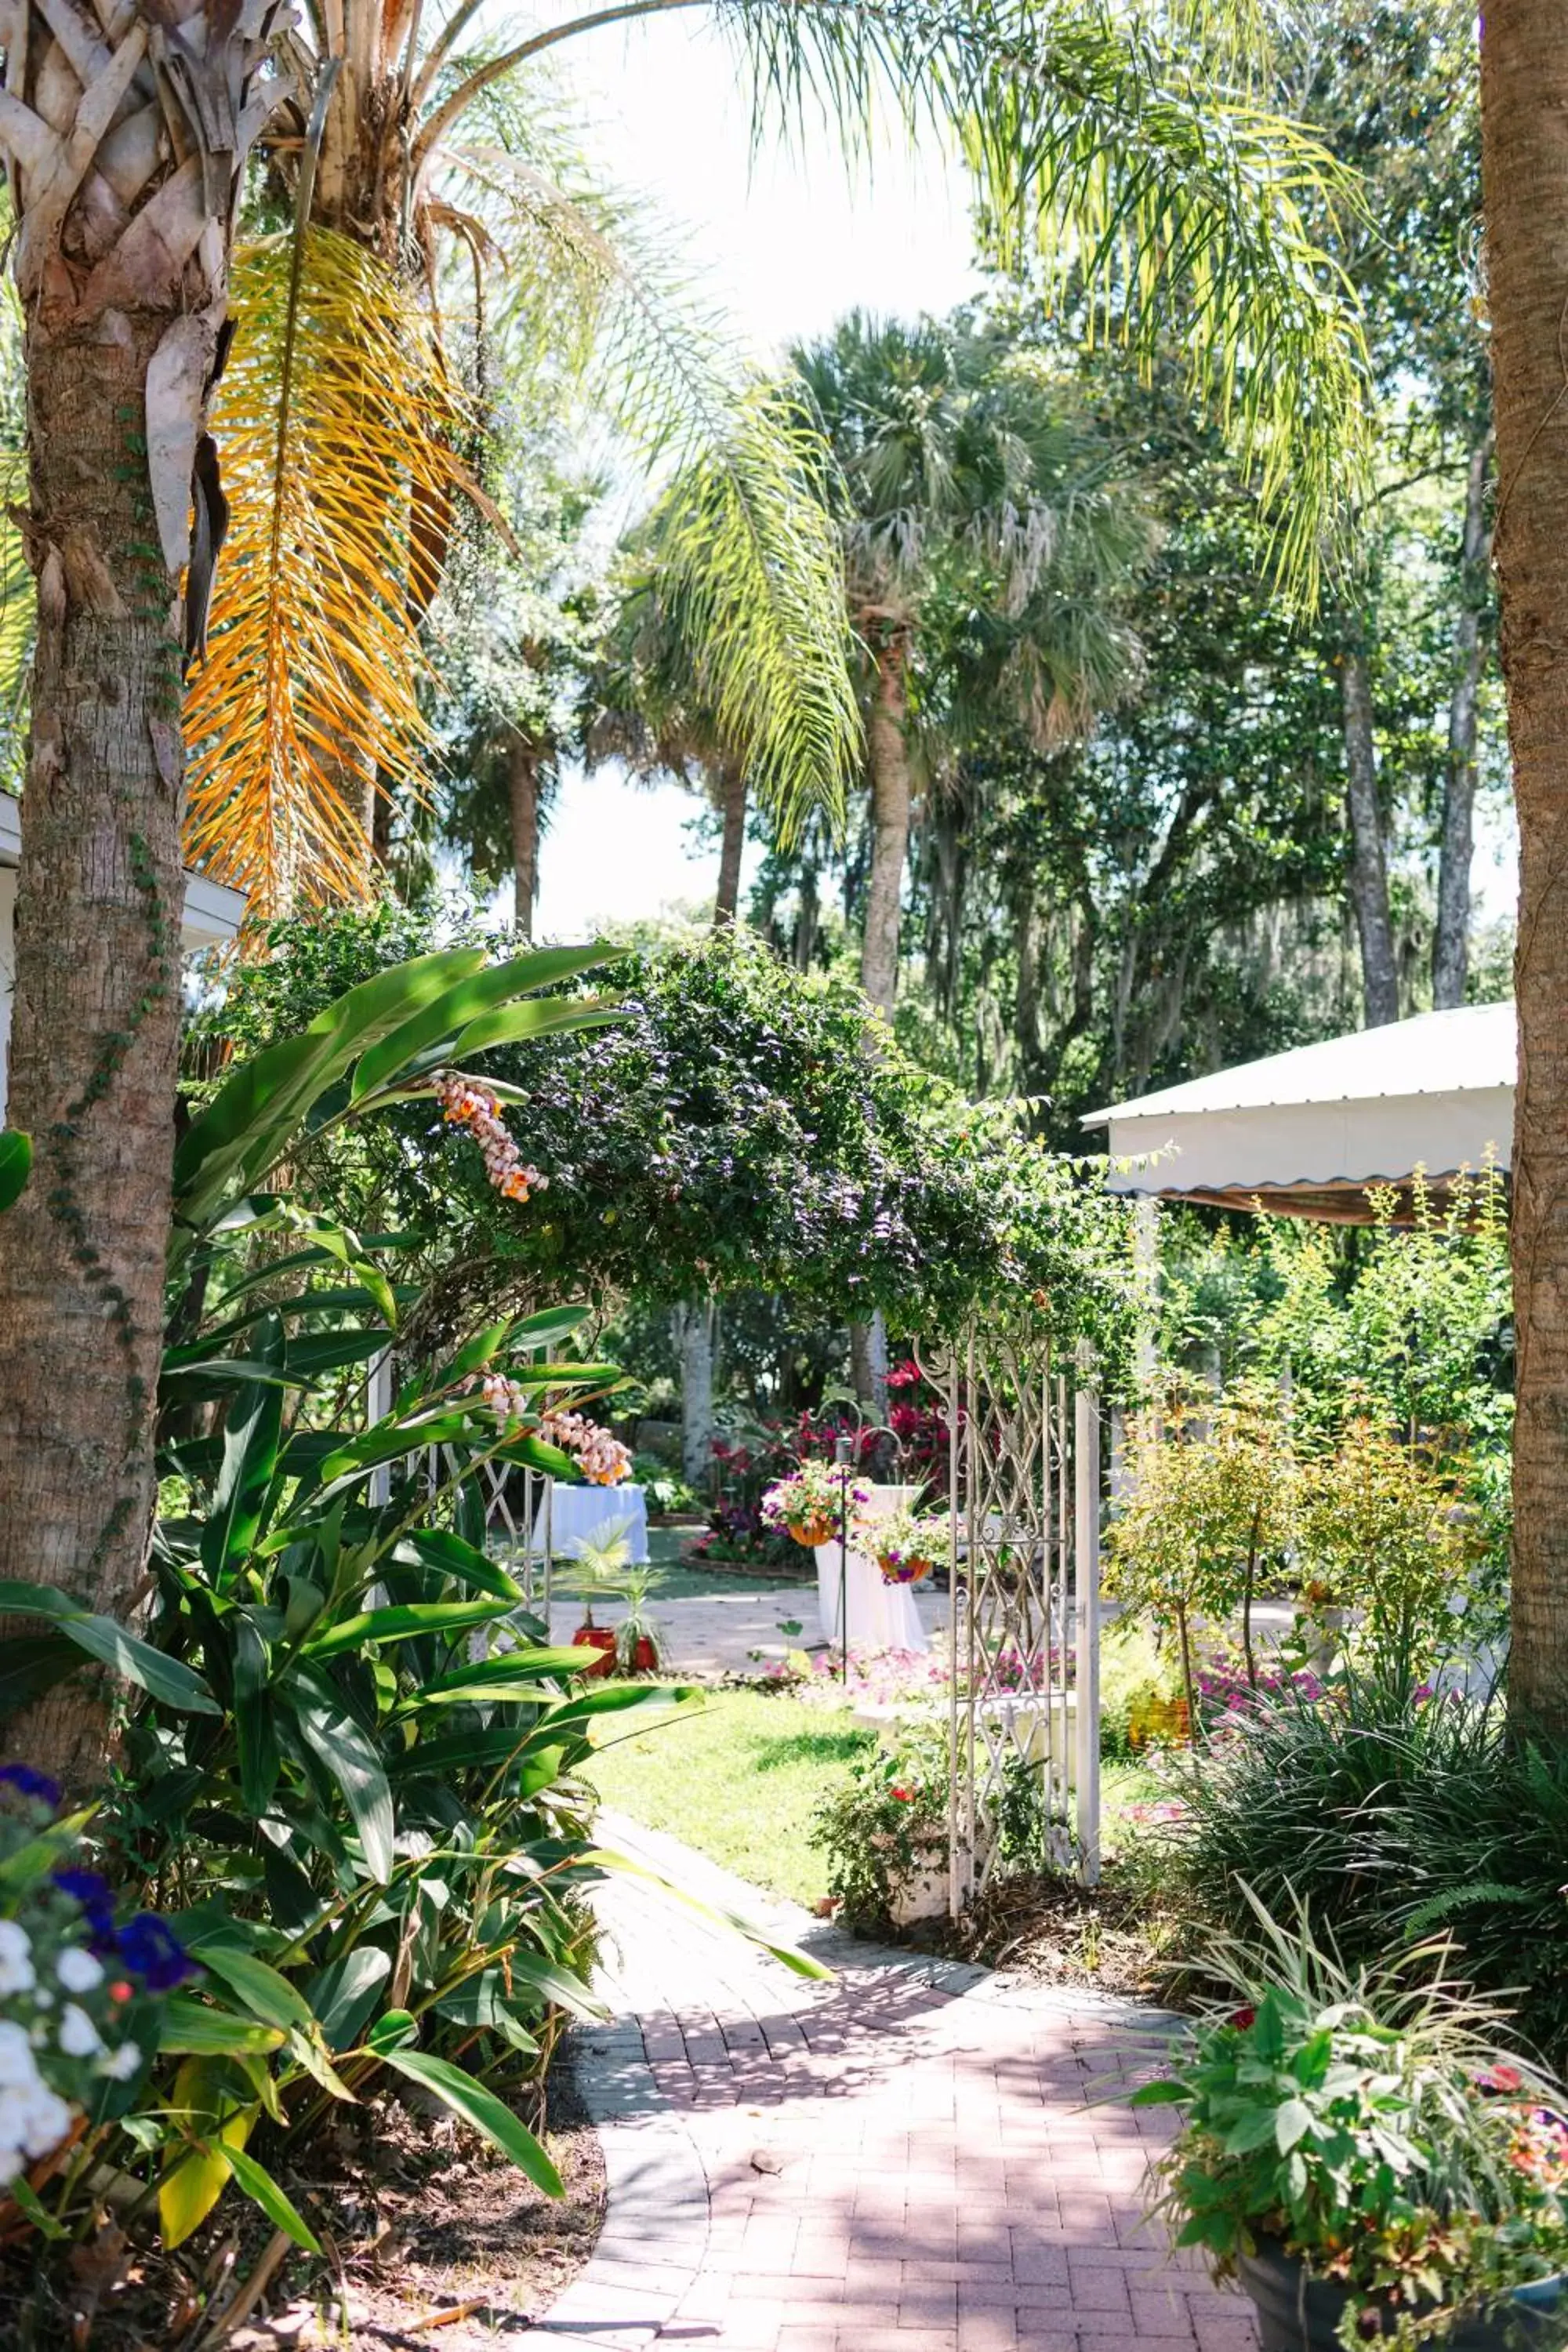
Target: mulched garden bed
{"points": [[431, 2238]]}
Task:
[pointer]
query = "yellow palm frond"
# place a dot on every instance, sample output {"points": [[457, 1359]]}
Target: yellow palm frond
{"points": [[18, 613], [336, 421]]}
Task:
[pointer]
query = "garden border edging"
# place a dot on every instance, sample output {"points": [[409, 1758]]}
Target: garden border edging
{"points": [[651, 2248]]}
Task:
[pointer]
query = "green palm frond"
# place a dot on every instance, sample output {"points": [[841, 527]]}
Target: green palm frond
{"points": [[749, 584], [1186, 214], [751, 569]]}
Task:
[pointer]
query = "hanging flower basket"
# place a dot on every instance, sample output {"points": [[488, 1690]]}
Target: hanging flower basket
{"points": [[806, 1504], [907, 1548]]}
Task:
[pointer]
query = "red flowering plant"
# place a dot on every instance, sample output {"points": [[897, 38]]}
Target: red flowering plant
{"points": [[886, 1822], [1358, 2134]]}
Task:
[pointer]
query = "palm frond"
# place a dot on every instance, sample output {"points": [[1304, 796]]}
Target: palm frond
{"points": [[1185, 214], [18, 616], [749, 585], [336, 420], [754, 584]]}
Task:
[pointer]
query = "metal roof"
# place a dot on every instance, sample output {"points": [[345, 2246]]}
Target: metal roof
{"points": [[1472, 1049], [213, 913]]}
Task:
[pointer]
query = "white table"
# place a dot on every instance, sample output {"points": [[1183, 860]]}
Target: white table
{"points": [[592, 1513], [881, 1616]]}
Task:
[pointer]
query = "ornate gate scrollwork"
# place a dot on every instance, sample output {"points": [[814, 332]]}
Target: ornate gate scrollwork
{"points": [[1024, 1696]]}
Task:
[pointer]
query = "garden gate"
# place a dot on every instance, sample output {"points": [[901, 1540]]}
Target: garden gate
{"points": [[1022, 1418]]}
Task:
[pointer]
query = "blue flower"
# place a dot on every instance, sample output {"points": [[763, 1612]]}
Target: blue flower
{"points": [[28, 1783], [151, 1950], [96, 1896]]}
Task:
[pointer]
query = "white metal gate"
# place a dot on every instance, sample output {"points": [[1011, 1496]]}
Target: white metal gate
{"points": [[1024, 1707]]}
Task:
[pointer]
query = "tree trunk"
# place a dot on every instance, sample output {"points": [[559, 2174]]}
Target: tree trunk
{"points": [[727, 898], [1369, 865], [121, 260], [868, 1365], [694, 1341], [1451, 943], [888, 764], [1524, 149], [95, 1022], [522, 784]]}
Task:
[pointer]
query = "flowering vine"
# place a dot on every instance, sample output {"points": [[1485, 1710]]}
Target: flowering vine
{"points": [[465, 1103]]}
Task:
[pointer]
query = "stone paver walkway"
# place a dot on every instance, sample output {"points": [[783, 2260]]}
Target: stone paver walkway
{"points": [[905, 2159], [716, 1633]]}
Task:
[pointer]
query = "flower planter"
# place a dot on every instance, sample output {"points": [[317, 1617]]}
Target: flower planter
{"points": [[897, 1570], [599, 1638], [921, 1891], [812, 1532], [1296, 2313]]}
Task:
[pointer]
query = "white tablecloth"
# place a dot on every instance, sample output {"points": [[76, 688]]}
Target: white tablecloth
{"points": [[881, 1616], [595, 1512]]}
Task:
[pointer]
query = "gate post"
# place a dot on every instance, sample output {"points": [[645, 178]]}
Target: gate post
{"points": [[1086, 1597]]}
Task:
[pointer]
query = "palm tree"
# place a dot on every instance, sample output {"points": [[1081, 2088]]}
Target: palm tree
{"points": [[962, 484], [126, 134]]}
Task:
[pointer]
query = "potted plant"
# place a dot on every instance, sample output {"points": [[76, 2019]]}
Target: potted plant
{"points": [[600, 1561], [905, 1546], [639, 1641], [807, 1504], [1356, 2153]]}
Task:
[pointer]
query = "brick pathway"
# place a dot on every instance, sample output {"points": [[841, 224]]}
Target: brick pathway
{"points": [[902, 2160]]}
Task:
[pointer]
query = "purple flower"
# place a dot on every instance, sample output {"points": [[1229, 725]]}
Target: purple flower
{"points": [[151, 1950], [97, 1899], [28, 1783]]}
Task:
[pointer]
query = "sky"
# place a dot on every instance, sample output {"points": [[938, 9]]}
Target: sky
{"points": [[786, 244]]}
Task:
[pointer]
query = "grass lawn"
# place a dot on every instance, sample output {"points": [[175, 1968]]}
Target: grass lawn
{"points": [[738, 1777]]}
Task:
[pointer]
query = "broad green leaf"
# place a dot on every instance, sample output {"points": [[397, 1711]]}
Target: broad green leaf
{"points": [[481, 2000], [481, 2108], [1292, 2121], [437, 1024], [391, 2030], [506, 1674], [479, 1350], [267, 1994], [29, 2203], [513, 1023], [191, 2026], [251, 1437], [403, 1620], [616, 1698], [478, 1751], [262, 2189], [554, 1983], [168, 1680], [31, 1663], [15, 1164], [389, 1440], [344, 1995], [256, 1734], [438, 1549], [533, 1453], [349, 1754], [550, 1324], [1162, 2094], [255, 1115]]}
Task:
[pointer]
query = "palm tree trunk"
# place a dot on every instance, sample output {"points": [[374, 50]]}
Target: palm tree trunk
{"points": [[95, 1022], [888, 763], [1369, 865], [1451, 942], [121, 272], [522, 786], [1524, 150], [727, 898]]}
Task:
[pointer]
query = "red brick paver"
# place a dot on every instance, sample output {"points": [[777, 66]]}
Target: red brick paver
{"points": [[914, 2157]]}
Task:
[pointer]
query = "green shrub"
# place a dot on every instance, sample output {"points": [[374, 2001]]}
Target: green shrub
{"points": [[1392, 1814]]}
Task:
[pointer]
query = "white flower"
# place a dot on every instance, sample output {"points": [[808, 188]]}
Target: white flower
{"points": [[77, 1970], [48, 2120], [78, 2035], [32, 2120], [17, 1971], [11, 2162], [18, 2067], [122, 2063]]}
